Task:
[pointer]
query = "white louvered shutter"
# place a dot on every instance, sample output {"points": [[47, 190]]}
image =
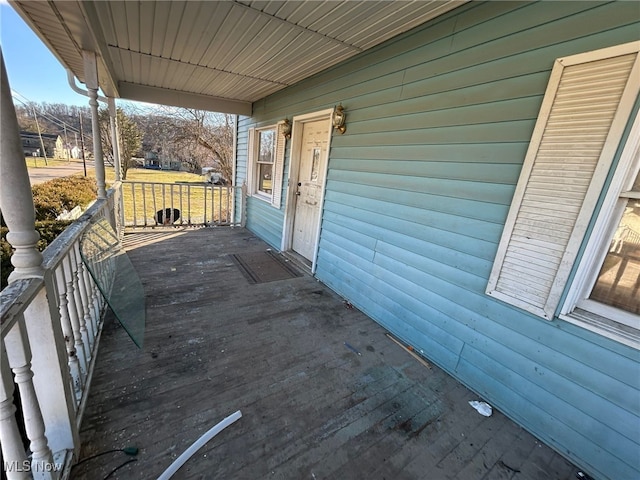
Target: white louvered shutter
{"points": [[581, 121], [251, 161], [278, 167]]}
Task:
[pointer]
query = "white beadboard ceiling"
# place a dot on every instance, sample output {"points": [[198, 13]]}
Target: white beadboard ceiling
{"points": [[216, 55]]}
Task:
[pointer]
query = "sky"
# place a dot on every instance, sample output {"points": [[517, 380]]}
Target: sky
{"points": [[32, 69]]}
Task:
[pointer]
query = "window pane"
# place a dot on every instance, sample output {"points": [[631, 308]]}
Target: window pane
{"points": [[264, 182], [267, 146], [618, 282]]}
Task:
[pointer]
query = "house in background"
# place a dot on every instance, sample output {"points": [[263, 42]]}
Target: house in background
{"points": [[469, 181], [158, 161], [489, 157], [151, 160], [53, 144], [76, 152]]}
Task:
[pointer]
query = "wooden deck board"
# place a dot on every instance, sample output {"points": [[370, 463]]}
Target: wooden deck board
{"points": [[312, 408]]}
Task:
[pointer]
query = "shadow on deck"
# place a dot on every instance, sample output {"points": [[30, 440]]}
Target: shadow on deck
{"points": [[312, 408]]}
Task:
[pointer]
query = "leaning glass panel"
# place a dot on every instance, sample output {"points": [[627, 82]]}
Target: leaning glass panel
{"points": [[116, 277]]}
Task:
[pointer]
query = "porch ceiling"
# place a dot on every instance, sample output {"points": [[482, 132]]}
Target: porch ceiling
{"points": [[216, 55]]}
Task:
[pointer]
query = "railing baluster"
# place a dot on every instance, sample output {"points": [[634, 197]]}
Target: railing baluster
{"points": [[96, 297], [213, 205], [164, 200], [180, 203], [82, 297], [74, 316], [77, 296], [69, 337], [205, 204], [144, 201], [171, 219], [219, 189], [155, 207], [19, 356], [189, 202], [133, 201], [94, 314], [13, 453]]}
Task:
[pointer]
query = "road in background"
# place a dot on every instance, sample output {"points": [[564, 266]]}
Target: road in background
{"points": [[42, 174]]}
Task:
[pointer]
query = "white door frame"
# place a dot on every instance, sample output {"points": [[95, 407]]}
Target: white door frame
{"points": [[294, 168]]}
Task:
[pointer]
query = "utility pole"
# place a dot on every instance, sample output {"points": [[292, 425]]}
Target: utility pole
{"points": [[66, 143], [84, 162], [44, 150]]}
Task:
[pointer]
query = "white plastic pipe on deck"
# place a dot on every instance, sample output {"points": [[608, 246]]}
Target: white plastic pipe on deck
{"points": [[188, 453]]}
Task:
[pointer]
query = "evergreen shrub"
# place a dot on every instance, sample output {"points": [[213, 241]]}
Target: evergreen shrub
{"points": [[55, 196], [50, 200]]}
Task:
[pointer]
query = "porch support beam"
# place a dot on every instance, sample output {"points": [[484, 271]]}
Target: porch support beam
{"points": [[115, 137], [91, 81], [16, 199], [164, 96]]}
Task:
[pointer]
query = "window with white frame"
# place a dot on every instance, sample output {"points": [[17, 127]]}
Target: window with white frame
{"points": [[266, 159], [605, 297], [567, 170], [265, 156]]}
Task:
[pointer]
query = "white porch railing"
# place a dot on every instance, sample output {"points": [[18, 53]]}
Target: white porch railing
{"points": [[183, 204], [50, 329]]}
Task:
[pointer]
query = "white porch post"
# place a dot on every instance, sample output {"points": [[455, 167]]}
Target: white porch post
{"points": [[115, 137], [16, 200], [91, 81], [41, 373]]}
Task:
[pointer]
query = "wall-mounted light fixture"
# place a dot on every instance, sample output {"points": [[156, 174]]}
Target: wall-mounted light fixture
{"points": [[339, 119], [286, 128]]}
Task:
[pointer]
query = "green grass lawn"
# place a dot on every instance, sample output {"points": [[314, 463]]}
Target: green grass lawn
{"points": [[37, 162], [164, 176]]}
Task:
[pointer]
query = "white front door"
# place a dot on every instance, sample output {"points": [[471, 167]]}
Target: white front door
{"points": [[309, 186]]}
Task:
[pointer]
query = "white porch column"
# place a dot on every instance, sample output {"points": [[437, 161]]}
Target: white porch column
{"points": [[115, 137], [16, 200], [91, 81]]}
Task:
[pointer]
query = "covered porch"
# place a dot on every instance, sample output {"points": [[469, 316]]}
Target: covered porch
{"points": [[324, 393]]}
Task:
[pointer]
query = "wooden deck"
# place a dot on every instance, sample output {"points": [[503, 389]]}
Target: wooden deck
{"points": [[312, 407]]}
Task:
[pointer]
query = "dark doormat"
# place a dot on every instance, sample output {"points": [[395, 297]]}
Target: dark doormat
{"points": [[263, 267]]}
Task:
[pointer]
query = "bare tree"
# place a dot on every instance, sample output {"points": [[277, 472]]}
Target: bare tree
{"points": [[196, 138], [213, 133]]}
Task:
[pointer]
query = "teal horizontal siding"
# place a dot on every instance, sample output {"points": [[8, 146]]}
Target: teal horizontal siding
{"points": [[606, 461], [438, 123], [486, 172], [469, 228], [413, 239], [502, 111], [434, 234], [265, 221], [483, 153], [437, 185]]}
